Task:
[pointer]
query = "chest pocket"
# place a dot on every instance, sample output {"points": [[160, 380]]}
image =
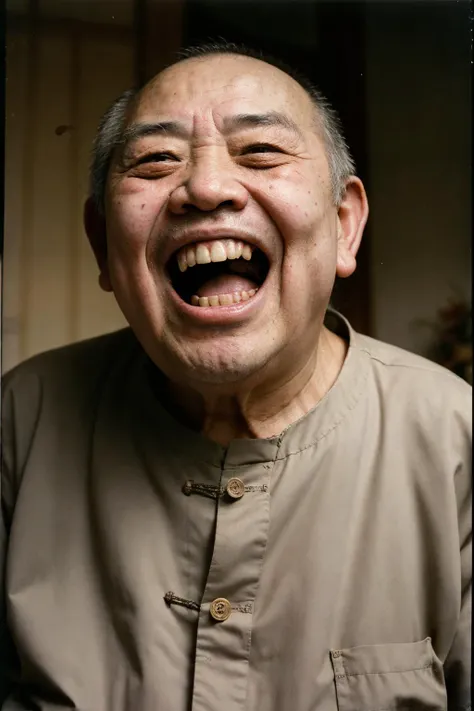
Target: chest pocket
{"points": [[386, 677]]}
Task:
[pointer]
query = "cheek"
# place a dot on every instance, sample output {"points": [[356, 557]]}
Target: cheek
{"points": [[308, 227], [130, 224], [298, 206]]}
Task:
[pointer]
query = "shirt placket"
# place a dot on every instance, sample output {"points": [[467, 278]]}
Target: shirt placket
{"points": [[226, 610]]}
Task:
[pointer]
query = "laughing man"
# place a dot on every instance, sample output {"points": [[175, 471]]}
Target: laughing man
{"points": [[238, 503]]}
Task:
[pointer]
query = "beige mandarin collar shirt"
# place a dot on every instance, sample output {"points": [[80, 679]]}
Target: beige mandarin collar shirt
{"points": [[149, 569]]}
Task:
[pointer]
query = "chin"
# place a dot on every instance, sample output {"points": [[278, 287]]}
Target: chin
{"points": [[222, 366]]}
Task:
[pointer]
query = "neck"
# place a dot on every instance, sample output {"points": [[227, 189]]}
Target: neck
{"points": [[266, 408]]}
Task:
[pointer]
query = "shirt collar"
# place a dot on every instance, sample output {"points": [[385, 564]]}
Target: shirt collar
{"points": [[327, 415]]}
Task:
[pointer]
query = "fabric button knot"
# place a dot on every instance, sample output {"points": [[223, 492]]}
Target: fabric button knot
{"points": [[235, 488], [187, 488], [220, 609]]}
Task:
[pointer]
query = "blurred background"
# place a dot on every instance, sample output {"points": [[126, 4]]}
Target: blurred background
{"points": [[399, 73]]}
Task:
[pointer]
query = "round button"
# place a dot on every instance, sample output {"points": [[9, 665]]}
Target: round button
{"points": [[220, 609], [235, 488]]}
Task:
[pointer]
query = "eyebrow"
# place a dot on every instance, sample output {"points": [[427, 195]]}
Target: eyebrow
{"points": [[271, 118], [231, 124], [140, 130]]}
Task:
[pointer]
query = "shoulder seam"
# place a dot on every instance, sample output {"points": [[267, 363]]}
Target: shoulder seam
{"points": [[435, 369]]}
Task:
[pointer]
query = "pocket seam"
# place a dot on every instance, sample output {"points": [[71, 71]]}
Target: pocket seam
{"points": [[380, 673], [405, 708]]}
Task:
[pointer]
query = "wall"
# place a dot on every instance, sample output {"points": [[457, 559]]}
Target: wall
{"points": [[419, 132], [60, 79]]}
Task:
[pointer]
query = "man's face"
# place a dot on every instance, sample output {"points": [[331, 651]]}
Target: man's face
{"points": [[230, 162]]}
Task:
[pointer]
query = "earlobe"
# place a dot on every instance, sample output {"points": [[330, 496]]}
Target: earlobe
{"points": [[104, 280], [352, 217], [94, 224]]}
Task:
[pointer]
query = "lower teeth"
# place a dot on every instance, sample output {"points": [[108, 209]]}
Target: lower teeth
{"points": [[223, 299]]}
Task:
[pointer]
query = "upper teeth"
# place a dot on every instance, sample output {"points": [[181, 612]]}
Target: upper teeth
{"points": [[217, 251]]}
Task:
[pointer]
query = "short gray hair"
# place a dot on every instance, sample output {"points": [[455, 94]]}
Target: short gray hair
{"points": [[110, 131]]}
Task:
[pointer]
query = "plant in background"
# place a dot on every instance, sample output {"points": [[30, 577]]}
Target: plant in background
{"points": [[452, 347]]}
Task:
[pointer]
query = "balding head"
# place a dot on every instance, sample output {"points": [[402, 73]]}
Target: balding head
{"points": [[239, 70]]}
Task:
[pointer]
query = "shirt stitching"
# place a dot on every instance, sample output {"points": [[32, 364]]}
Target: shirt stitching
{"points": [[382, 673], [410, 366], [408, 707], [350, 408]]}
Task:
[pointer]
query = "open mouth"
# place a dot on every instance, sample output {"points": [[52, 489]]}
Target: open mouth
{"points": [[218, 273]]}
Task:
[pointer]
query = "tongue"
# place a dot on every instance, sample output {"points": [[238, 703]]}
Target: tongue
{"points": [[226, 284]]}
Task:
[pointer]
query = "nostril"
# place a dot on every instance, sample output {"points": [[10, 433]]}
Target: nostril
{"points": [[201, 207], [207, 192]]}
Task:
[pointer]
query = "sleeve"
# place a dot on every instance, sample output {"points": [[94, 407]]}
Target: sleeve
{"points": [[457, 667], [19, 402], [6, 652], [3, 645], [5, 514]]}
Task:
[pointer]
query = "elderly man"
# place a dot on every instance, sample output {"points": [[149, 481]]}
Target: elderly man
{"points": [[239, 503]]}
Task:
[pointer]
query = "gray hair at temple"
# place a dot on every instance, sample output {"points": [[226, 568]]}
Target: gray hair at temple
{"points": [[111, 127]]}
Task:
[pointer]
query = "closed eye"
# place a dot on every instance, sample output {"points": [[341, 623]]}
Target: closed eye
{"points": [[157, 158], [261, 148]]}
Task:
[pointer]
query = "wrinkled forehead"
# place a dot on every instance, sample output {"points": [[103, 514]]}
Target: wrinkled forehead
{"points": [[222, 85]]}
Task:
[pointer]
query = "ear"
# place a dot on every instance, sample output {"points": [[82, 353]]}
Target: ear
{"points": [[94, 224], [352, 217]]}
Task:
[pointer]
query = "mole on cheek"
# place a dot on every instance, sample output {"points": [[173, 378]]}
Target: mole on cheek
{"points": [[143, 206]]}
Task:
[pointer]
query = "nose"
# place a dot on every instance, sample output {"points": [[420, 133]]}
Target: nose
{"points": [[210, 184]]}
